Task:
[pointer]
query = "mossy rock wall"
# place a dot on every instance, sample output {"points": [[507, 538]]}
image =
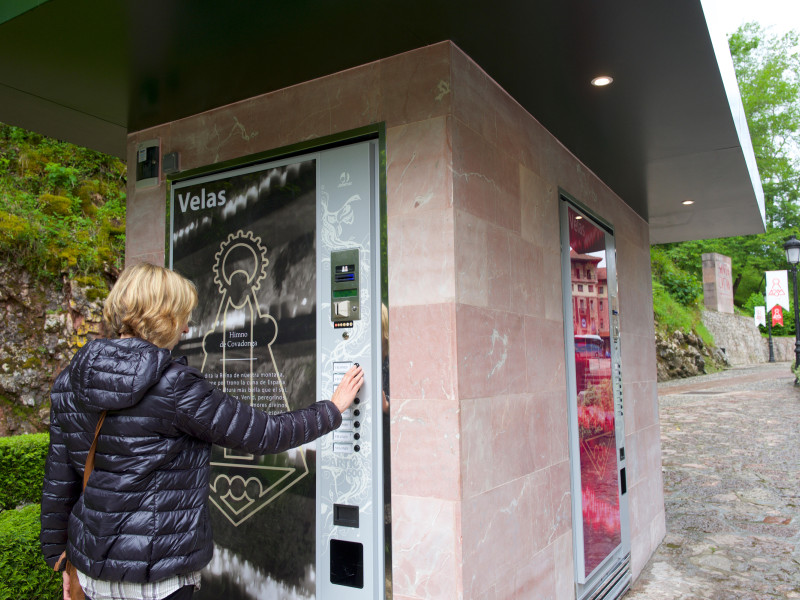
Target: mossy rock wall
{"points": [[42, 325]]}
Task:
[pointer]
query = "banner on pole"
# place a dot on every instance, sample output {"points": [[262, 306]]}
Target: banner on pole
{"points": [[777, 289], [777, 315], [761, 316]]}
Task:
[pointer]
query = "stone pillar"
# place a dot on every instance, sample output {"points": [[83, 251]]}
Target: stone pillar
{"points": [[717, 282]]}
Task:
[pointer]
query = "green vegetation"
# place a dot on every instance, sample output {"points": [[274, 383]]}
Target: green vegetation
{"points": [[62, 208], [23, 573], [22, 460], [677, 296], [768, 73]]}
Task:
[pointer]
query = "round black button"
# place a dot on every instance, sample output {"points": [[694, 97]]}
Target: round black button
{"points": [[357, 401], [356, 424], [357, 448], [357, 436], [356, 412]]}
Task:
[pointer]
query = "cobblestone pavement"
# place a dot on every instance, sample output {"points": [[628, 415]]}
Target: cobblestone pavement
{"points": [[730, 446]]}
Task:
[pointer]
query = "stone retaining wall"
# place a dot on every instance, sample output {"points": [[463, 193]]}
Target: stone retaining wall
{"points": [[738, 336], [782, 348], [742, 342]]}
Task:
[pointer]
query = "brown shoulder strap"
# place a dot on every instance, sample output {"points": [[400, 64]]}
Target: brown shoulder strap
{"points": [[90, 457]]}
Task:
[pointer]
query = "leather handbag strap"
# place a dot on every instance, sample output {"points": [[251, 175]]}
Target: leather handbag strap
{"points": [[87, 471], [90, 457]]}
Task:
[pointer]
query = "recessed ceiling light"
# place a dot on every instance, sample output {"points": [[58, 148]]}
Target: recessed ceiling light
{"points": [[578, 218], [687, 202], [602, 80]]}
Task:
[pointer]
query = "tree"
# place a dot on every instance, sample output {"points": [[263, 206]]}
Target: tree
{"points": [[768, 72]]}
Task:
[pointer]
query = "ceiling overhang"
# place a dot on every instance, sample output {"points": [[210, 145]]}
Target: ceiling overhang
{"points": [[668, 129]]}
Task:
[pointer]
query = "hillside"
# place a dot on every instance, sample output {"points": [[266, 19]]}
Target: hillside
{"points": [[62, 243]]}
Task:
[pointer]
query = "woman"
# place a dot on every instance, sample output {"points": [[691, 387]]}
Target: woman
{"points": [[140, 529]]}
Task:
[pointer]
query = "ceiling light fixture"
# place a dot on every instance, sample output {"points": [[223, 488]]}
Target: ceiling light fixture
{"points": [[602, 80], [687, 202]]}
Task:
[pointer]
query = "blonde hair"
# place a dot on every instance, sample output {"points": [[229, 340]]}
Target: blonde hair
{"points": [[150, 302]]}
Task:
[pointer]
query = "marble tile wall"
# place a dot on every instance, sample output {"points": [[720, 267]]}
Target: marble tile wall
{"points": [[480, 477], [507, 171]]}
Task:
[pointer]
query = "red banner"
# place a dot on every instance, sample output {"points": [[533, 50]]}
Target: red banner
{"points": [[777, 315]]}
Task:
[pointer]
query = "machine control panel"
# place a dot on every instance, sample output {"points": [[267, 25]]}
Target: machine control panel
{"points": [[345, 287], [351, 549]]}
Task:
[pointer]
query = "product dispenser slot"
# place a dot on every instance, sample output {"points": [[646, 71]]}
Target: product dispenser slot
{"points": [[347, 563]]}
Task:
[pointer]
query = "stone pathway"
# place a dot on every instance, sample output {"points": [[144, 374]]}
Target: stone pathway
{"points": [[730, 446]]}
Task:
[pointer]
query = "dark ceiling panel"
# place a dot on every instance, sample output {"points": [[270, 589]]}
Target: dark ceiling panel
{"points": [[125, 66]]}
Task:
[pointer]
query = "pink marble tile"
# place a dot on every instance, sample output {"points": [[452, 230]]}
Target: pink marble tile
{"points": [[417, 175], [646, 403], [416, 85], [425, 449], [423, 351], [421, 261], [551, 285], [561, 500], [544, 354], [471, 259], [540, 220], [644, 542], [638, 357], [485, 181], [154, 258], [499, 276], [234, 131], [146, 221], [475, 96], [633, 452], [640, 552], [309, 111], [498, 535], [519, 134], [426, 548], [526, 272], [548, 428], [537, 578], [564, 567], [477, 446], [513, 434], [491, 358], [196, 140], [355, 97]]}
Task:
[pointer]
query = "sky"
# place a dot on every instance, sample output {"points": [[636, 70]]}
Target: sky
{"points": [[778, 15]]}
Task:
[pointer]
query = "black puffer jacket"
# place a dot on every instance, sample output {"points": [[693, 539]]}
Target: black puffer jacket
{"points": [[144, 514]]}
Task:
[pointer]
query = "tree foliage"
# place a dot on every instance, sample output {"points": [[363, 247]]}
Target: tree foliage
{"points": [[768, 72]]}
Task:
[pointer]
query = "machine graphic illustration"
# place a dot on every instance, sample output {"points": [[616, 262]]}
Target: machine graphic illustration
{"points": [[234, 348]]}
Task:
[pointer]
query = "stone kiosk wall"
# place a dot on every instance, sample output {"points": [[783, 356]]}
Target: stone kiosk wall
{"points": [[480, 466]]}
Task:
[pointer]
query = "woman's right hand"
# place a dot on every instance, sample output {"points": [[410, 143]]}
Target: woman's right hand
{"points": [[348, 388]]}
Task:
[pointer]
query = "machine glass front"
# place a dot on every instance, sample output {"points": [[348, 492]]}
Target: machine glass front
{"points": [[595, 409]]}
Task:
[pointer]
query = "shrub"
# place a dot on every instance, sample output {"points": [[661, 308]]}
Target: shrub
{"points": [[22, 460], [23, 573]]}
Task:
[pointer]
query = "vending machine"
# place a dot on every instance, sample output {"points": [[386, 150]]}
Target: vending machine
{"points": [[286, 255]]}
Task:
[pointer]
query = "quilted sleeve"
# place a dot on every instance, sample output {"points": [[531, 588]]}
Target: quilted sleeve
{"points": [[213, 416], [61, 489]]}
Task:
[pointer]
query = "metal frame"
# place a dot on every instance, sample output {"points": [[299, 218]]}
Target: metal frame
{"points": [[586, 585]]}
